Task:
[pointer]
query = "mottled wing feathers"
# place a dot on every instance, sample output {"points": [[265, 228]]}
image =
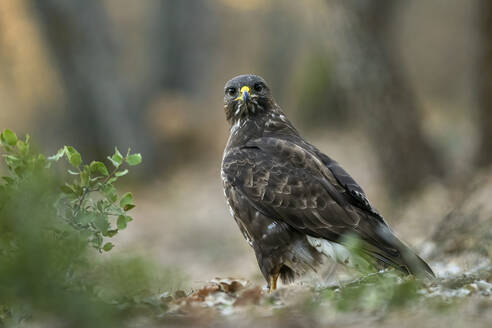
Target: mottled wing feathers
{"points": [[286, 182], [354, 192], [290, 184]]}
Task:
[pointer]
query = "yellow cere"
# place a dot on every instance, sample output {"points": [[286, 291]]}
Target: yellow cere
{"points": [[243, 89]]}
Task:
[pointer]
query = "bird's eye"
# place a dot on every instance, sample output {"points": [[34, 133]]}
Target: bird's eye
{"points": [[258, 87], [231, 91]]}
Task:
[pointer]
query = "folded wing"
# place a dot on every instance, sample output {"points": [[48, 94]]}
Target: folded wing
{"points": [[295, 185]]}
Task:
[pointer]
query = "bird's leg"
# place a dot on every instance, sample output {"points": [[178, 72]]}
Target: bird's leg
{"points": [[272, 282]]}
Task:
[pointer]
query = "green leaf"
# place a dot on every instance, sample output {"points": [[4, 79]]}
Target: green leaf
{"points": [[99, 167], [73, 156], [107, 247], [12, 158], [101, 223], [40, 161], [58, 155], [110, 192], [96, 241], [101, 204], [66, 189], [112, 233], [8, 137], [22, 147], [134, 159], [95, 179], [117, 158], [122, 221], [126, 200], [115, 164], [121, 173], [78, 190], [128, 207], [8, 180], [84, 176], [13, 162], [117, 152], [86, 218]]}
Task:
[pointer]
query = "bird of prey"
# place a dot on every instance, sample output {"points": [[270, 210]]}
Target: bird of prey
{"points": [[294, 204]]}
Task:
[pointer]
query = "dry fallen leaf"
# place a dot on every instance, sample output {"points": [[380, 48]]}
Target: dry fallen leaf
{"points": [[202, 293], [249, 296]]}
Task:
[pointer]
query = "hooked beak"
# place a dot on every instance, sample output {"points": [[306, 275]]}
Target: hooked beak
{"points": [[246, 103], [245, 97]]}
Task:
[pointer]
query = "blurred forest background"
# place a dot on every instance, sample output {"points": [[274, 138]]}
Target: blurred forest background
{"points": [[399, 92]]}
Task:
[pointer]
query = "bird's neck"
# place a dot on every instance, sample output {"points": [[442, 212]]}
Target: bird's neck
{"points": [[270, 123]]}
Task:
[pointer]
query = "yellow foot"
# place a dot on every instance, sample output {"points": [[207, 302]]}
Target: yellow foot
{"points": [[272, 283]]}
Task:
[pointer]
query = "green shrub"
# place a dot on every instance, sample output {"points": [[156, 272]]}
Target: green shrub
{"points": [[48, 225]]}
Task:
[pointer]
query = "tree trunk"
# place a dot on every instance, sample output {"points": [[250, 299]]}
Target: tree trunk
{"points": [[484, 154], [101, 110], [379, 94]]}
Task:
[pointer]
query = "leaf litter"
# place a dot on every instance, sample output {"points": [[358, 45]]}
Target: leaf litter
{"points": [[373, 297]]}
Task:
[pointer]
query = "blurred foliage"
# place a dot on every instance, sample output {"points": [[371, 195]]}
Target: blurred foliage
{"points": [[46, 267], [321, 102], [360, 260], [133, 284], [376, 291], [90, 200], [92, 214]]}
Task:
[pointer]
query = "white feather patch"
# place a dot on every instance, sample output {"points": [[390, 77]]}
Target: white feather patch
{"points": [[335, 251]]}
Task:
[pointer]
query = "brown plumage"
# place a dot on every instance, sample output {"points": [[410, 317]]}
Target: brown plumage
{"points": [[288, 198]]}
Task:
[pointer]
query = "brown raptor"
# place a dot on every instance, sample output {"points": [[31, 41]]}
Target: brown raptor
{"points": [[293, 203]]}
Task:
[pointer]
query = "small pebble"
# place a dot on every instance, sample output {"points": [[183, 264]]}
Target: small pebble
{"points": [[483, 285], [472, 287]]}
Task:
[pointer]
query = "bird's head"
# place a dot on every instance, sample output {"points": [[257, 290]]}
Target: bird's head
{"points": [[245, 96]]}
